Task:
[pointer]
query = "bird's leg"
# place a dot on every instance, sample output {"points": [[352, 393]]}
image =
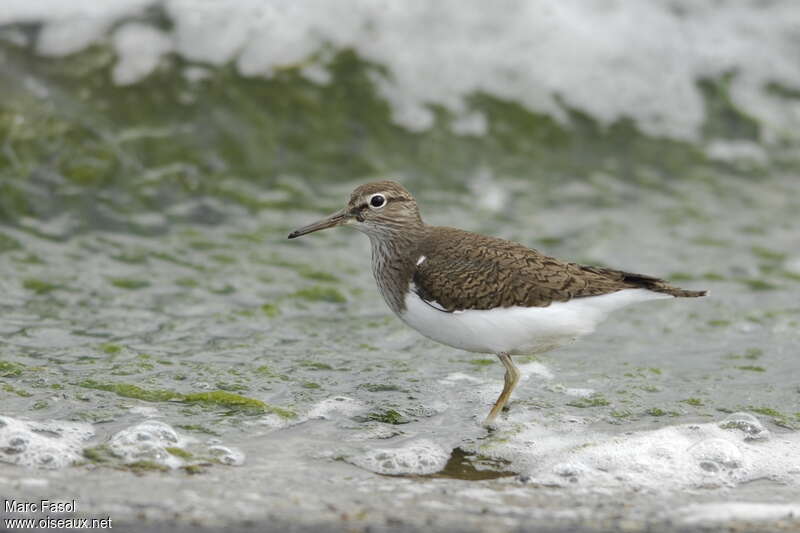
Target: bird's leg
{"points": [[511, 380]]}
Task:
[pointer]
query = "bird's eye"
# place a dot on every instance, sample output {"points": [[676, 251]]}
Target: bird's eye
{"points": [[377, 201]]}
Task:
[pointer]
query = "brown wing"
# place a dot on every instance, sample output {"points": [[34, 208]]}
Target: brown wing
{"points": [[464, 270]]}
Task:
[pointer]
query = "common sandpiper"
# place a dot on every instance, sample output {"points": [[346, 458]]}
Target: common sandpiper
{"points": [[483, 294]]}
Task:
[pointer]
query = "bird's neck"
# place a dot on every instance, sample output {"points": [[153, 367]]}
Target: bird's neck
{"points": [[393, 262]]}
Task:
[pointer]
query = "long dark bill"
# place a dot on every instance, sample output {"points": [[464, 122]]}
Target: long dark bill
{"points": [[336, 219]]}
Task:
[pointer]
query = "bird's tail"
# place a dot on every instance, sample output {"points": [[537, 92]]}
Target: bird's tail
{"points": [[646, 282]]}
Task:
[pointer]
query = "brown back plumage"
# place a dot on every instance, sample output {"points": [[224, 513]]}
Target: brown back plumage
{"points": [[464, 270]]}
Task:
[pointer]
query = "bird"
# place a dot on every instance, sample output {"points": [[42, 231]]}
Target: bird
{"points": [[479, 293]]}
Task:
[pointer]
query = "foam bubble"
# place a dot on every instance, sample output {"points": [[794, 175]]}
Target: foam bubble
{"points": [[748, 424], [50, 444], [712, 455], [416, 457], [147, 441], [339, 404], [155, 441], [227, 455]]}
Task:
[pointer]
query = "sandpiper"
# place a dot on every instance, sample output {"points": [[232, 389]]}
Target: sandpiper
{"points": [[478, 293]]}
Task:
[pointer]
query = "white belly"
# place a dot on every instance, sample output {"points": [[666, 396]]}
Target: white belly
{"points": [[517, 330]]}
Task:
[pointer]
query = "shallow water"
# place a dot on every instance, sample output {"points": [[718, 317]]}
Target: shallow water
{"points": [[168, 355]]}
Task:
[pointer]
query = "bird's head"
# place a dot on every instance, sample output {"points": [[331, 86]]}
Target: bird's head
{"points": [[380, 209]]}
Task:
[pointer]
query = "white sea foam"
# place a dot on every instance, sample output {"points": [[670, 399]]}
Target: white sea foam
{"points": [[339, 404], [227, 455], [154, 441], [611, 59], [147, 441], [139, 48], [419, 456], [677, 457], [50, 444]]}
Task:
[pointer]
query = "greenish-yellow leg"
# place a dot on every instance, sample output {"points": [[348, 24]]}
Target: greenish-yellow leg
{"points": [[511, 380]]}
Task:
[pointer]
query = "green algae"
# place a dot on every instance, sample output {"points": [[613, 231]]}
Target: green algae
{"points": [[29, 259], [19, 392], [596, 400], [141, 467], [753, 353], [179, 452], [769, 254], [709, 241], [482, 362], [778, 418], [110, 348], [783, 91], [718, 323], [204, 246], [656, 411], [195, 469], [129, 283], [388, 416], [316, 365], [750, 353], [225, 289], [319, 293], [218, 398], [724, 119], [8, 243], [317, 275], [696, 402], [39, 286], [98, 454], [223, 385], [752, 368], [236, 402], [197, 428], [10, 369], [265, 370], [223, 259], [649, 388], [379, 387], [768, 411], [132, 258], [756, 284], [271, 310], [127, 390], [369, 347], [794, 276], [676, 277]]}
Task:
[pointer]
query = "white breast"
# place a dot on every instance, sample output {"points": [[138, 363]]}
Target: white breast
{"points": [[517, 330]]}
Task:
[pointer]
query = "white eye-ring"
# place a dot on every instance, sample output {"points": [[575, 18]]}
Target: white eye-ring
{"points": [[376, 201]]}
